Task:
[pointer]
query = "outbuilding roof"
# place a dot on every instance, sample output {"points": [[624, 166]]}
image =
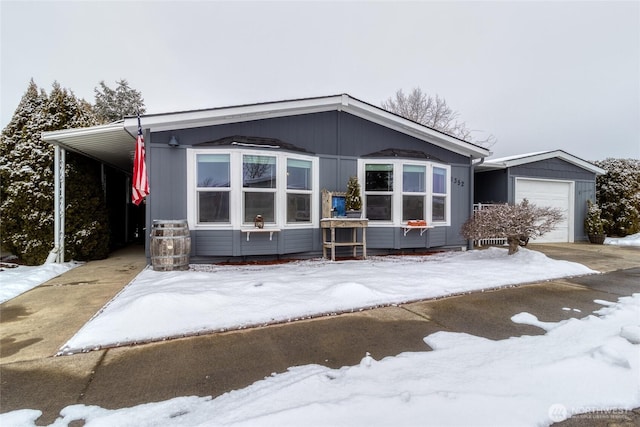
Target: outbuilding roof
{"points": [[114, 143], [521, 159]]}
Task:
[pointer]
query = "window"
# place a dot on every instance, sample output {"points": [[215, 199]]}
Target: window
{"points": [[413, 191], [397, 191], [379, 191], [229, 188], [259, 188], [213, 187], [439, 198], [299, 189]]}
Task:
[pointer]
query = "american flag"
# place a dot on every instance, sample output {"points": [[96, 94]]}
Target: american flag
{"points": [[140, 180]]}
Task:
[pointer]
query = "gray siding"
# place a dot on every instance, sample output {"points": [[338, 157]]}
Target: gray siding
{"points": [[585, 190], [338, 139], [552, 169]]}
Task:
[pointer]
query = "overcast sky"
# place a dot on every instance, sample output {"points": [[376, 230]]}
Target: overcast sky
{"points": [[537, 75]]}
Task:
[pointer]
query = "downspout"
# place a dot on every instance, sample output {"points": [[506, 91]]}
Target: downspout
{"points": [[472, 186]]}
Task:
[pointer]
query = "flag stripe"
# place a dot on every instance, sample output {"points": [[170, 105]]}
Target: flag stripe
{"points": [[140, 186]]}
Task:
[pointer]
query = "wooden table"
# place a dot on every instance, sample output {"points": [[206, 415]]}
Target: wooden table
{"points": [[330, 224]]}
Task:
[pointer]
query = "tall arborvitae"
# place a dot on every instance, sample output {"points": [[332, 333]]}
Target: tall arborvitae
{"points": [[26, 167], [114, 104], [618, 194], [26, 180]]}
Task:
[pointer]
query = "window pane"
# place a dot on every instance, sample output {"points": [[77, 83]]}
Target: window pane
{"points": [[259, 204], [213, 206], [439, 180], [413, 178], [379, 208], [412, 207], [378, 177], [438, 207], [298, 174], [298, 207], [259, 172], [213, 170]]}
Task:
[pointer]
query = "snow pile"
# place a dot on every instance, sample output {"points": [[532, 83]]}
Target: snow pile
{"points": [[578, 366], [158, 305], [20, 279], [631, 240]]}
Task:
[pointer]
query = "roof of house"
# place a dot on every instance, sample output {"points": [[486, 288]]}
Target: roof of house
{"points": [[114, 143], [521, 159]]}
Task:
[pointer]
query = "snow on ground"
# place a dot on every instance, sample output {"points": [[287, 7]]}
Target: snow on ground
{"points": [[17, 280], [631, 240], [578, 366], [157, 305]]}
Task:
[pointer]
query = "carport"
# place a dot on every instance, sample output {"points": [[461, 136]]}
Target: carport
{"points": [[111, 145]]}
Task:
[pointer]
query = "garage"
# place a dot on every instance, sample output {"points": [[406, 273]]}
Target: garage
{"points": [[554, 194], [550, 178]]}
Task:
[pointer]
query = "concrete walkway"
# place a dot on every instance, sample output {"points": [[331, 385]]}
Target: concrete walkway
{"points": [[36, 324]]}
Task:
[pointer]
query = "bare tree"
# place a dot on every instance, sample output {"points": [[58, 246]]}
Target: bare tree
{"points": [[517, 223], [432, 112]]}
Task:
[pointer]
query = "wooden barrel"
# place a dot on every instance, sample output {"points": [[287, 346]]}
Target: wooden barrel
{"points": [[170, 245]]}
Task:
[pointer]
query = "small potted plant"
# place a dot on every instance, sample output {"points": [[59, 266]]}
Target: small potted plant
{"points": [[353, 201], [593, 225]]}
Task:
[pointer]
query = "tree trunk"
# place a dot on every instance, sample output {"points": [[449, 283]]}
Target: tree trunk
{"points": [[514, 244]]}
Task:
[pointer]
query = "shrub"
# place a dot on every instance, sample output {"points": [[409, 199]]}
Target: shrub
{"points": [[516, 223]]}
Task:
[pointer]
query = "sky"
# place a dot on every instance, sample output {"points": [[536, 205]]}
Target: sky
{"points": [[538, 75]]}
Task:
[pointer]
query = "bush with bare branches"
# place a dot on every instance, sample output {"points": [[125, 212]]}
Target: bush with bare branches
{"points": [[516, 223]]}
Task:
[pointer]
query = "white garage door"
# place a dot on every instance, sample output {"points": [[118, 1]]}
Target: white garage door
{"points": [[556, 194]]}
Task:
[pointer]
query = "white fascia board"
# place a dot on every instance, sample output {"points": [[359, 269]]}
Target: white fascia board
{"points": [[395, 122], [218, 116], [59, 136], [507, 162]]}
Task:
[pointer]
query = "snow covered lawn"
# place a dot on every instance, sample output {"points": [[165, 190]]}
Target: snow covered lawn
{"points": [[157, 305], [578, 366], [20, 279]]}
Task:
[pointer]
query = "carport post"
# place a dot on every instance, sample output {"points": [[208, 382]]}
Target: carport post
{"points": [[59, 202]]}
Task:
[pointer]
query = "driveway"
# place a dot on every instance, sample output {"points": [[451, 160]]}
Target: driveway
{"points": [[33, 329]]}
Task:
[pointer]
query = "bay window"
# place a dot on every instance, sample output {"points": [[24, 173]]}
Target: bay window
{"points": [[397, 191], [229, 188]]}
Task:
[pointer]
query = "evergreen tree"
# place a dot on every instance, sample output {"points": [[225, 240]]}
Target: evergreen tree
{"points": [[618, 194], [26, 175], [26, 180], [114, 104]]}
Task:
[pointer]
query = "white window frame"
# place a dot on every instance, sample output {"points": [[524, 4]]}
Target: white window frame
{"points": [[398, 193], [236, 196]]}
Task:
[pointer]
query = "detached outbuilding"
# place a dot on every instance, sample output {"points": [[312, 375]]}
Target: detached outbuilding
{"points": [[550, 178], [221, 168]]}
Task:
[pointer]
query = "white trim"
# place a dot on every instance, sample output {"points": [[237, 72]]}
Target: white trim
{"points": [[112, 143], [571, 201], [507, 162], [342, 102], [397, 193], [236, 190]]}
